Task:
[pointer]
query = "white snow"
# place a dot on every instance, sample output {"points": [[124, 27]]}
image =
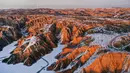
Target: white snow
{"points": [[102, 39], [32, 41], [20, 68]]}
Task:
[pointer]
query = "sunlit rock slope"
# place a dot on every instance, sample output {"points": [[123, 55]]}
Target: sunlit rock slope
{"points": [[39, 31]]}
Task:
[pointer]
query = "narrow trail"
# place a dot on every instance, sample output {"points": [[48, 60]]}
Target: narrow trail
{"points": [[43, 66], [113, 40]]}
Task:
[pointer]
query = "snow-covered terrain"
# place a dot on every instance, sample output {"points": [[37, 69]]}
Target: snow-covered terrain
{"points": [[102, 39], [99, 39], [20, 68]]}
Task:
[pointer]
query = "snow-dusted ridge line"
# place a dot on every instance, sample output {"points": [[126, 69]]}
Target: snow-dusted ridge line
{"points": [[20, 68]]}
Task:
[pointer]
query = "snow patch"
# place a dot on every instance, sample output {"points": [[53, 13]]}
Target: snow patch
{"points": [[20, 68]]}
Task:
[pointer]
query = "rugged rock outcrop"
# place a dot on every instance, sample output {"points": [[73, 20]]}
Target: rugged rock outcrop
{"points": [[12, 28], [38, 33], [65, 35], [31, 49], [8, 35], [80, 55], [113, 62]]}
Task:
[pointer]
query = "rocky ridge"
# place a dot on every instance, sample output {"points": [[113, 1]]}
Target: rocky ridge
{"points": [[39, 33]]}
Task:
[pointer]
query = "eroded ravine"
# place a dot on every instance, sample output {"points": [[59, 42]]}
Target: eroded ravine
{"points": [[87, 42]]}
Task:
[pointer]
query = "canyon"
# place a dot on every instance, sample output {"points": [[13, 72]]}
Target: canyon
{"points": [[94, 40]]}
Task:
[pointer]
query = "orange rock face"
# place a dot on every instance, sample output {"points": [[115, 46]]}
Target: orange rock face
{"points": [[38, 32], [64, 52], [76, 40], [110, 62], [80, 54], [65, 35], [32, 51]]}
